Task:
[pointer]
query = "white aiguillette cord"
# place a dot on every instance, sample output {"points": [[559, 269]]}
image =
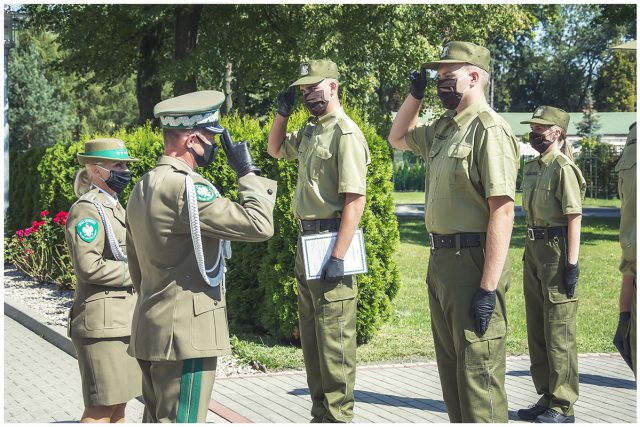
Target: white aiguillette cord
{"points": [[194, 222], [111, 238]]}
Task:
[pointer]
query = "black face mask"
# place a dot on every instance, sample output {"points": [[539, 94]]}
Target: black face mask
{"points": [[207, 157], [118, 180], [539, 142], [315, 102], [448, 94]]}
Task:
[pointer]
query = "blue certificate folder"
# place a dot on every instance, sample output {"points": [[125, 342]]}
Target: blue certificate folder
{"points": [[317, 248]]}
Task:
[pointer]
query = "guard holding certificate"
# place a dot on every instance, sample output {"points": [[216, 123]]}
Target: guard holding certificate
{"points": [[332, 156]]}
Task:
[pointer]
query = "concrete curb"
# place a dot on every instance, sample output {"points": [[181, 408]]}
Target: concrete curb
{"points": [[56, 335]]}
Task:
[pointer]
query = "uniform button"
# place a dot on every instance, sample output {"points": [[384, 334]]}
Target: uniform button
{"points": [[106, 292], [269, 191], [215, 303]]}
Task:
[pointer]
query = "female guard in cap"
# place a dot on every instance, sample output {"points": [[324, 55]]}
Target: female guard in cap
{"points": [[100, 318], [552, 193]]}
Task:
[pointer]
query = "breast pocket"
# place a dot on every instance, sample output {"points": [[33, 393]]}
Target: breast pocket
{"points": [[458, 164], [321, 158], [528, 185]]}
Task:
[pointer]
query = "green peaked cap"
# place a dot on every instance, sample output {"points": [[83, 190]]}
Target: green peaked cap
{"points": [[456, 52], [316, 70], [192, 110], [546, 115]]}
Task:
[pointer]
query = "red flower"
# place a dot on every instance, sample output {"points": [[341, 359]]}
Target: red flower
{"points": [[20, 233], [27, 231], [61, 218], [35, 225], [44, 213], [28, 252]]}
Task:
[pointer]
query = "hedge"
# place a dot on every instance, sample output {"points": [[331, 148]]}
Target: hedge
{"points": [[261, 287]]}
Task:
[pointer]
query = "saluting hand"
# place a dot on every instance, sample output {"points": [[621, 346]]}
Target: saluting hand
{"points": [[418, 80], [285, 100], [570, 278], [482, 306], [238, 155]]}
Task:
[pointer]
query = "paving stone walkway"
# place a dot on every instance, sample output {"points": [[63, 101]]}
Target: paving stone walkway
{"points": [[42, 384]]}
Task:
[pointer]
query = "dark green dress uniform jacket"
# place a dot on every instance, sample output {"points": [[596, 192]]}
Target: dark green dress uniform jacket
{"points": [[103, 301], [178, 315]]}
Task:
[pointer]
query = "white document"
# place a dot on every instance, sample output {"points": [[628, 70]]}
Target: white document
{"points": [[317, 248]]}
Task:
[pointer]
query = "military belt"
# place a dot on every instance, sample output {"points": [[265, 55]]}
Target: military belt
{"points": [[467, 240], [318, 225], [537, 233]]}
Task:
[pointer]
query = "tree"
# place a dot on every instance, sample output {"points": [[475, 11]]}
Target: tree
{"points": [[559, 62], [38, 114], [615, 88], [590, 124]]}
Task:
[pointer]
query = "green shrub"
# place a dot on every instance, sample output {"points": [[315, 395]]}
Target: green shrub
{"points": [[24, 187], [261, 287]]}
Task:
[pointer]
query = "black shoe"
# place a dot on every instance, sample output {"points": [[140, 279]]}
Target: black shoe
{"points": [[531, 413], [551, 416]]}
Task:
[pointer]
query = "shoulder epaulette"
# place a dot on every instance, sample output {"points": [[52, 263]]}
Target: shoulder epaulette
{"points": [[487, 119], [346, 125]]}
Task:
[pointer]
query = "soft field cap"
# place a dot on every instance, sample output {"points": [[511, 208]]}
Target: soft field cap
{"points": [[104, 149], [316, 70], [462, 52], [545, 115], [195, 109]]}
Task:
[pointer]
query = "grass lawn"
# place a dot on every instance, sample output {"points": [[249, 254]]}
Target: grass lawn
{"points": [[402, 197], [407, 335]]}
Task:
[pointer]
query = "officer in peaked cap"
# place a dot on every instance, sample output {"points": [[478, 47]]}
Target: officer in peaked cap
{"points": [[625, 336], [472, 161], [332, 156], [179, 227]]}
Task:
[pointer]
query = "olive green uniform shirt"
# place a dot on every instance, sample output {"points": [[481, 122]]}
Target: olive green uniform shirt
{"points": [[178, 315], [552, 188], [626, 169], [332, 156], [103, 300], [470, 156]]}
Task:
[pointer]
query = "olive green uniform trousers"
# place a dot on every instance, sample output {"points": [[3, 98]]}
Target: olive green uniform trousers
{"points": [[177, 390], [551, 324], [327, 314], [471, 367], [631, 332]]}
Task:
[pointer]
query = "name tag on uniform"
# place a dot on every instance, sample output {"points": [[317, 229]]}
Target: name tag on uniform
{"points": [[317, 248]]}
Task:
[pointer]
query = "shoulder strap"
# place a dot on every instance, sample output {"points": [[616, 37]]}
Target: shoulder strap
{"points": [[111, 238], [218, 268]]}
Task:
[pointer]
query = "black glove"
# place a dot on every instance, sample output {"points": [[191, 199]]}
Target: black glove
{"points": [[418, 80], [285, 100], [238, 155], [623, 344], [333, 270], [482, 306], [570, 278]]}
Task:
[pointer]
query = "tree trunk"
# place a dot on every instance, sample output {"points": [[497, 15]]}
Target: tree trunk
{"points": [[241, 99], [228, 91], [149, 92], [186, 37]]}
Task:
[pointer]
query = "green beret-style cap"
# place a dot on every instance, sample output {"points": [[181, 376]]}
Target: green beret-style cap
{"points": [[104, 149], [462, 52], [316, 70], [195, 109], [545, 115]]}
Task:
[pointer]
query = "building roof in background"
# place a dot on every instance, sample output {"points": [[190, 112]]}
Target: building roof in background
{"points": [[611, 123]]}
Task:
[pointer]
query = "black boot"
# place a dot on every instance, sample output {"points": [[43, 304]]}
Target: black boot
{"points": [[531, 413], [551, 416]]}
